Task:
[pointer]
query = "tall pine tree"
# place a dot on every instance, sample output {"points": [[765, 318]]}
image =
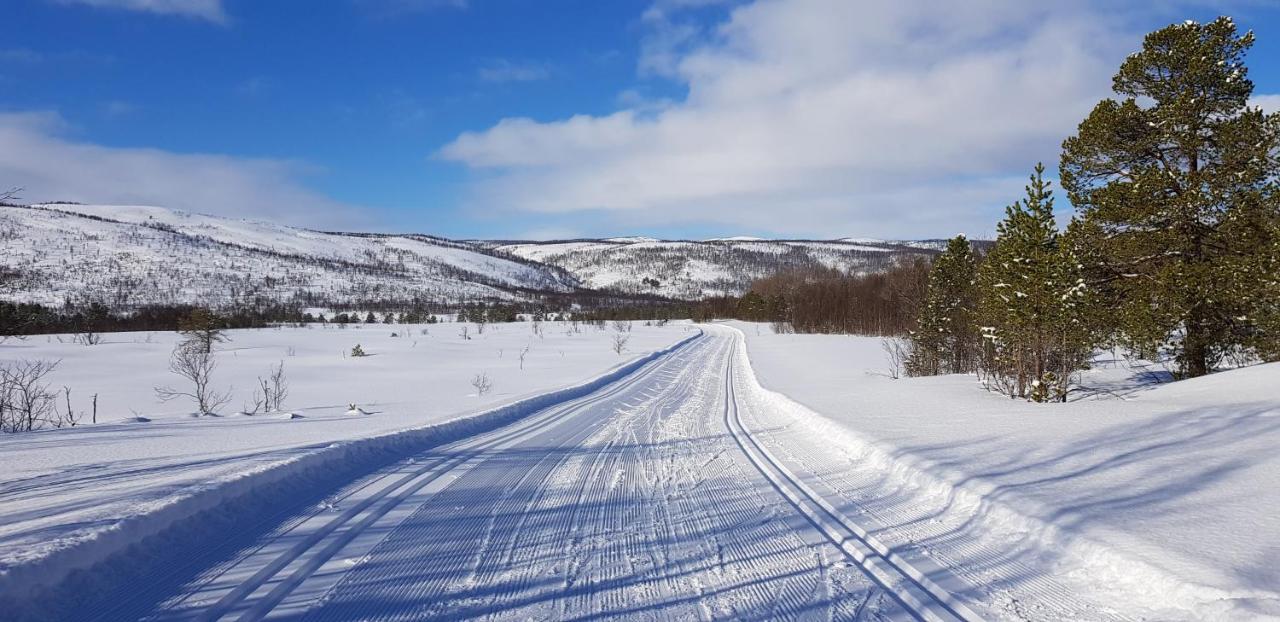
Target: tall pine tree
{"points": [[1176, 185]]}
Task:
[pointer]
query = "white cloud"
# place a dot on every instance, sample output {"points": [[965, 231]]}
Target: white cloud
{"points": [[210, 10], [1268, 103], [821, 117], [35, 155]]}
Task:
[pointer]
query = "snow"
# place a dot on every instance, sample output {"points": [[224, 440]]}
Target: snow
{"points": [[1139, 497], [73, 496], [628, 501], [125, 255], [732, 473]]}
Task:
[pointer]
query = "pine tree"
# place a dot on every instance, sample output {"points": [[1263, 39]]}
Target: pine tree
{"points": [[1033, 301], [946, 338], [203, 328], [1176, 184]]}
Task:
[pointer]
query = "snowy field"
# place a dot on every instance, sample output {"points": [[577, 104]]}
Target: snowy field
{"points": [[72, 490], [674, 482], [1156, 501]]}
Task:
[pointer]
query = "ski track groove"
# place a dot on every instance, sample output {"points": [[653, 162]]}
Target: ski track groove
{"points": [[913, 590]]}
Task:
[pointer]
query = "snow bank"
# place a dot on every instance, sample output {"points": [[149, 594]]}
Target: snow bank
{"points": [[28, 573], [1164, 504]]}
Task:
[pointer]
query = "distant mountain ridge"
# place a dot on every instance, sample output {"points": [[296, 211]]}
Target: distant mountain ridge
{"points": [[128, 256], [696, 269]]}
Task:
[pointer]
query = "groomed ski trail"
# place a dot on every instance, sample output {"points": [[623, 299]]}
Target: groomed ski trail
{"points": [[647, 499]]}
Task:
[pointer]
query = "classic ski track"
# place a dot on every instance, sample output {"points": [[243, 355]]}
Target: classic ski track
{"points": [[567, 535], [393, 480], [974, 562], [445, 466], [634, 501], [489, 574], [911, 588]]}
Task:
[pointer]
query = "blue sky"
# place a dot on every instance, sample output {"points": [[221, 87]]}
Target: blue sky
{"points": [[523, 118]]}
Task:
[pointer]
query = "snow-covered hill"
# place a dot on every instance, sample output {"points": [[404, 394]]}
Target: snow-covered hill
{"points": [[127, 255], [697, 269]]}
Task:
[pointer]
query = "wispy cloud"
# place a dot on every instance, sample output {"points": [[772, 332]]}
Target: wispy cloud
{"points": [[210, 10], [504, 70], [819, 117], [253, 87], [118, 108], [36, 154], [20, 55]]}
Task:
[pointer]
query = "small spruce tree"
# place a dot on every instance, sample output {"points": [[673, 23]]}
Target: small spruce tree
{"points": [[946, 338], [203, 328], [1033, 302]]}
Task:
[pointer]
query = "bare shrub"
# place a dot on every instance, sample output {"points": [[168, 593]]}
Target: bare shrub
{"points": [[619, 343], [897, 351], [275, 388], [191, 361], [26, 403], [482, 383], [523, 352], [88, 338]]}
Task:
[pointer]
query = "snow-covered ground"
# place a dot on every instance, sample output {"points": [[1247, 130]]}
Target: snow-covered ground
{"points": [[1159, 502], [69, 490], [731, 474]]}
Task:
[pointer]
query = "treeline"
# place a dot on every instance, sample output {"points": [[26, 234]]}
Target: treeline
{"points": [[32, 319], [1173, 252], [824, 300]]}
